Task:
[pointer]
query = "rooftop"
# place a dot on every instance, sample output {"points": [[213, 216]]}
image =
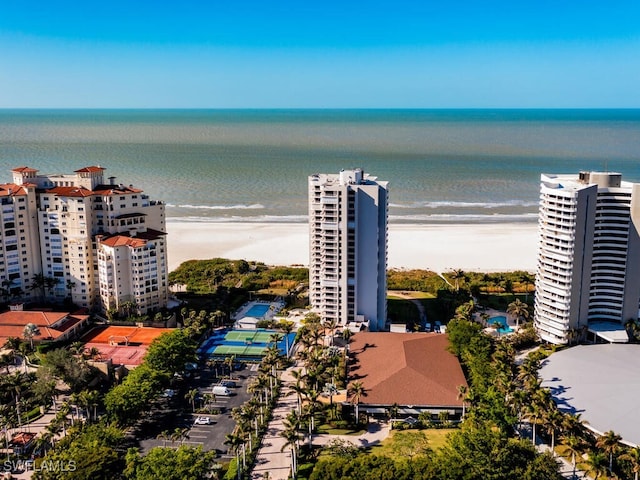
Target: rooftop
{"points": [[407, 369], [51, 324], [90, 169], [139, 240], [11, 189], [600, 382]]}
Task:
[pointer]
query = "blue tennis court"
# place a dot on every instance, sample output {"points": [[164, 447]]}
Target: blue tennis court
{"points": [[246, 345]]}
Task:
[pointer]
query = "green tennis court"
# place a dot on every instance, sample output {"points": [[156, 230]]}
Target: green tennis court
{"points": [[249, 345], [239, 351], [248, 336]]}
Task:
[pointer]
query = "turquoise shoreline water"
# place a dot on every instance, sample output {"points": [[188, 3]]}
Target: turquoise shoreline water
{"points": [[443, 166]]}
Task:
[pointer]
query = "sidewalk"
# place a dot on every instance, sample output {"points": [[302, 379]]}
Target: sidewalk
{"points": [[277, 463], [270, 458], [565, 468], [376, 433], [37, 426]]}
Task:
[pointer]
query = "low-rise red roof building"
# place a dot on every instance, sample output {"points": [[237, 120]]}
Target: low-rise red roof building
{"points": [[416, 371], [53, 326]]}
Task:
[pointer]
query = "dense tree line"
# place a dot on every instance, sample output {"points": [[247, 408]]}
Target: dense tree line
{"points": [[166, 355], [205, 276], [457, 280], [475, 452]]}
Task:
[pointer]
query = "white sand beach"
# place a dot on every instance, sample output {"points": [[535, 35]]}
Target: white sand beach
{"points": [[443, 247]]}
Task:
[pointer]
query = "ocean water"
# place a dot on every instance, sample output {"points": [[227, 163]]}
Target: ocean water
{"points": [[458, 166]]}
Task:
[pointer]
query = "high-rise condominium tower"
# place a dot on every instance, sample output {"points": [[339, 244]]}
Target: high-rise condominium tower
{"points": [[589, 253], [348, 248], [74, 236]]}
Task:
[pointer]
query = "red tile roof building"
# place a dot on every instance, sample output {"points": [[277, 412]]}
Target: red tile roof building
{"points": [[414, 370], [50, 225], [53, 326]]}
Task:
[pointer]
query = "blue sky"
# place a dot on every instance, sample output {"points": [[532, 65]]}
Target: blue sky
{"points": [[329, 54]]}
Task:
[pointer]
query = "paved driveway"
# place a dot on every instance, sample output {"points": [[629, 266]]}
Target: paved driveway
{"points": [[176, 413]]}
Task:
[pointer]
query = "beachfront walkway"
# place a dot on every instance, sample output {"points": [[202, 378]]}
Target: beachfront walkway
{"points": [[421, 310]]}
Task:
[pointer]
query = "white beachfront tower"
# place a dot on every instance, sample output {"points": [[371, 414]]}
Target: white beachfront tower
{"points": [[348, 248], [588, 272]]}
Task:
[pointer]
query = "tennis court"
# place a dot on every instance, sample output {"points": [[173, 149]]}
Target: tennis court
{"points": [[246, 345], [257, 336], [120, 355], [124, 335]]}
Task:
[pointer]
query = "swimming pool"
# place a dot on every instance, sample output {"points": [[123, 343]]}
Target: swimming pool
{"points": [[257, 311], [502, 320]]}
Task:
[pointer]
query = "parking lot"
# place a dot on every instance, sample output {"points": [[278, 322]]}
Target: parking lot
{"points": [[174, 413]]}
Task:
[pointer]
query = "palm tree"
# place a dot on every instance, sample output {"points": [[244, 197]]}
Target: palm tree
{"points": [[526, 278], [229, 361], [519, 310], [6, 288], [15, 384], [128, 307], [347, 334], [298, 389], [164, 436], [465, 311], [191, 395], [30, 330], [76, 400], [234, 441], [462, 395], [633, 457], [50, 283], [457, 275], [574, 446], [597, 464], [357, 391], [633, 329], [286, 327], [608, 443], [331, 326], [92, 399], [539, 402], [553, 421], [70, 286], [179, 434], [38, 283], [275, 338], [291, 436]]}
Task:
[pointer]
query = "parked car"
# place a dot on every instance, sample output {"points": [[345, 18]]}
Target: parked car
{"points": [[427, 327], [228, 383], [202, 421], [169, 393], [221, 390]]}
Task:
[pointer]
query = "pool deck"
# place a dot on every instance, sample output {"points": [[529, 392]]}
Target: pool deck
{"points": [[511, 323], [244, 309]]}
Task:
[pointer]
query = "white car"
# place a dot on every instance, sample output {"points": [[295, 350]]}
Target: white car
{"points": [[202, 421], [168, 393]]}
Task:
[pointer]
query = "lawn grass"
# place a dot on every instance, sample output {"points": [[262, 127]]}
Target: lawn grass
{"points": [[401, 443], [409, 294]]}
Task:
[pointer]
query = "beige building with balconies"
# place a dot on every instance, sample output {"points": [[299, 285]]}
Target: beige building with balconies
{"points": [[68, 222]]}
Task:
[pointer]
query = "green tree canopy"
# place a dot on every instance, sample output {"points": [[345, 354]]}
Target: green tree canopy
{"points": [[169, 464], [89, 453]]}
